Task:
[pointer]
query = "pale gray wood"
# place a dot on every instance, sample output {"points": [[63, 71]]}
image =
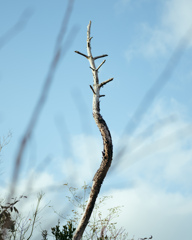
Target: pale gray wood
{"points": [[106, 136]]}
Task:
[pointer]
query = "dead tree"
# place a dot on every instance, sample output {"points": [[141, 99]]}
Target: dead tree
{"points": [[106, 136]]}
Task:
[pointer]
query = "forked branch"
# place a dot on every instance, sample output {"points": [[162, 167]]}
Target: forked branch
{"points": [[106, 136]]}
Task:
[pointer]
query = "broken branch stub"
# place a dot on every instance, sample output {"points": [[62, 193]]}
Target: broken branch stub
{"points": [[106, 136]]}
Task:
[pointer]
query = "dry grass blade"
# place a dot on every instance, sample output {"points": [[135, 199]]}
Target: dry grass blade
{"points": [[18, 27], [59, 52], [155, 89]]}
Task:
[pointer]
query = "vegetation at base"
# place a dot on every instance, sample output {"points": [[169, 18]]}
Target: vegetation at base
{"points": [[15, 226], [7, 222], [66, 233]]}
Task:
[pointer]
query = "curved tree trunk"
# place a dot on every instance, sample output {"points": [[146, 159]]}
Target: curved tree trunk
{"points": [[106, 136]]}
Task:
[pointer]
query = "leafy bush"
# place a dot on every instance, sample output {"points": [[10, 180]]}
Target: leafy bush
{"points": [[66, 233]]}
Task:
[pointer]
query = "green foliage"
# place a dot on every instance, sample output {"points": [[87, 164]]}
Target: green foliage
{"points": [[100, 227], [66, 233]]}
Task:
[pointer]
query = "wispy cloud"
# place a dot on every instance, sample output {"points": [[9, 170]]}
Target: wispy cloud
{"points": [[177, 17], [155, 175], [151, 211], [160, 38], [156, 179]]}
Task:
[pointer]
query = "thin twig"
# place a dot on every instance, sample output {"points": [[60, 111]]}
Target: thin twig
{"points": [[92, 89], [101, 56], [105, 82], [100, 65], [82, 54], [35, 214]]}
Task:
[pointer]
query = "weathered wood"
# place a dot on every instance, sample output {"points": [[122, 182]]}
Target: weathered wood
{"points": [[106, 136]]}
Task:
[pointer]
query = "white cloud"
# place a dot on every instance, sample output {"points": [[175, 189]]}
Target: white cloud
{"points": [[156, 178], [85, 161], [177, 17], [153, 182], [175, 22], [149, 211]]}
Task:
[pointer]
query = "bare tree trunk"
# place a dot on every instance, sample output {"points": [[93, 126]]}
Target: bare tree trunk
{"points": [[107, 140]]}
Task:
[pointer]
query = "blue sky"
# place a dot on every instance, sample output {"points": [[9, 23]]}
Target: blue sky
{"points": [[152, 179]]}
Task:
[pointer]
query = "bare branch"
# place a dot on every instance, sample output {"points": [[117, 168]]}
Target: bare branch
{"points": [[92, 89], [101, 56], [82, 54], [105, 82], [101, 65], [35, 214]]}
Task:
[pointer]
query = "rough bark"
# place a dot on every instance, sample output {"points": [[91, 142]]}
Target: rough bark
{"points": [[106, 136]]}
